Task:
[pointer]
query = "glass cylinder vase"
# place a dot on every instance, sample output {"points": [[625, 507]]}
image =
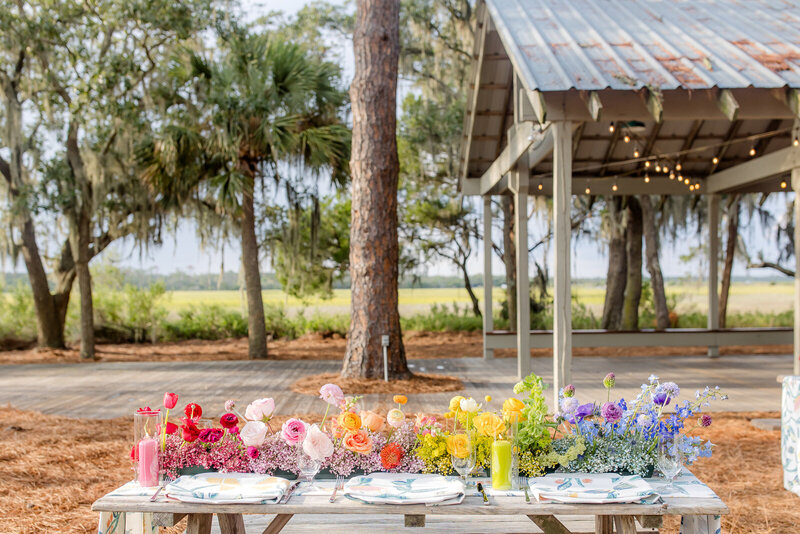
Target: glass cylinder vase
{"points": [[147, 426], [501, 464]]}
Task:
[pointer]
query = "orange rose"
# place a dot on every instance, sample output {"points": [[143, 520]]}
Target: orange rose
{"points": [[400, 399], [358, 441], [349, 421], [373, 421]]}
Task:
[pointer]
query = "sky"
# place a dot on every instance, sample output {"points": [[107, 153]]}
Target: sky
{"points": [[184, 252]]}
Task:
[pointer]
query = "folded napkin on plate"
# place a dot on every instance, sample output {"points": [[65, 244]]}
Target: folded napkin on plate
{"points": [[227, 488], [403, 488], [591, 488]]}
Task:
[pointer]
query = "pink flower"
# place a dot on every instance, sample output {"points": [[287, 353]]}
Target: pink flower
{"points": [[211, 435], [611, 412], [260, 410], [332, 394], [230, 405], [253, 433], [229, 420], [317, 444], [252, 452], [170, 400], [293, 431], [395, 417]]}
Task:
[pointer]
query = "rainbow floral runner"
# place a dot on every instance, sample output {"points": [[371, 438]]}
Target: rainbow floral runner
{"points": [[402, 488], [227, 488]]}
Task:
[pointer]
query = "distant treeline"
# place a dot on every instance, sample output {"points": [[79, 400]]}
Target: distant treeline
{"points": [[183, 281]]}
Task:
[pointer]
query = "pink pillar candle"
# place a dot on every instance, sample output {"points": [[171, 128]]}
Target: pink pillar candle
{"points": [[148, 462]]}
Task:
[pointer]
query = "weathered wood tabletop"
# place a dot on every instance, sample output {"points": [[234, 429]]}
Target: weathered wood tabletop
{"points": [[230, 516]]}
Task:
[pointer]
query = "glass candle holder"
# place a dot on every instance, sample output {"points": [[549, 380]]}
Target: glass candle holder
{"points": [[147, 426], [501, 464]]}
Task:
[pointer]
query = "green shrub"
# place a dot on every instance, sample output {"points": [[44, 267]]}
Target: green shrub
{"points": [[17, 313], [442, 319], [207, 322]]}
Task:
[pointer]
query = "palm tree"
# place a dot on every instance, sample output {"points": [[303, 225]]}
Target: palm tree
{"points": [[239, 119]]}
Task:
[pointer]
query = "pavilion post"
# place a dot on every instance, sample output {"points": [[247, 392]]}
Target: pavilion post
{"points": [[796, 189], [562, 297], [713, 269], [519, 185], [488, 320]]}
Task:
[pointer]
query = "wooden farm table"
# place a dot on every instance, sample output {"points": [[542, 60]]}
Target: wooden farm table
{"points": [[623, 517]]}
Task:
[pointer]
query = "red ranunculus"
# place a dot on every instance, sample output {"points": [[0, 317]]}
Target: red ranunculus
{"points": [[171, 428], [229, 420], [391, 456], [190, 433], [193, 411], [211, 435], [170, 400]]}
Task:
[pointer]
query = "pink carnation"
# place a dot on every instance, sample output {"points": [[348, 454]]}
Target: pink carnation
{"points": [[293, 431]]}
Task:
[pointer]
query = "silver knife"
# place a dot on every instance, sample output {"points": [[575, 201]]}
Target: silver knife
{"points": [[289, 492]]}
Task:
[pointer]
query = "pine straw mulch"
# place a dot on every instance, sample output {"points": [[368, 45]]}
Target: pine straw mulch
{"points": [[418, 383], [52, 468], [418, 345]]}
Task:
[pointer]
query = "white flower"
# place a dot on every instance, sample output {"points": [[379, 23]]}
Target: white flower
{"points": [[260, 410], [469, 405], [317, 444], [395, 418], [253, 433], [569, 405]]}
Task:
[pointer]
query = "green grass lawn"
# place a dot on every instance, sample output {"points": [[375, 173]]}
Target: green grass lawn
{"points": [[761, 297]]}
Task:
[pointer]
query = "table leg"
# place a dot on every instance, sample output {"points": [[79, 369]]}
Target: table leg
{"points": [[199, 524], [231, 523], [603, 524], [625, 524], [549, 524], [415, 520], [701, 524], [277, 523]]}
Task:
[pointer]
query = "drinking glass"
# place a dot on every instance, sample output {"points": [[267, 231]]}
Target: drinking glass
{"points": [[309, 467], [464, 462], [670, 458]]}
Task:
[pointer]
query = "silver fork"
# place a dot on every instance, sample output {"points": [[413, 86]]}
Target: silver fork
{"points": [[524, 482], [339, 485]]}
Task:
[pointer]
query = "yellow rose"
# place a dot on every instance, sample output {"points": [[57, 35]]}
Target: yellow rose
{"points": [[349, 421], [458, 445], [489, 424], [455, 403], [512, 410]]}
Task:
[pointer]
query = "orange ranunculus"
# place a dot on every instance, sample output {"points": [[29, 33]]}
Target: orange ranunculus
{"points": [[512, 410], [373, 421], [349, 421], [400, 399], [358, 441]]}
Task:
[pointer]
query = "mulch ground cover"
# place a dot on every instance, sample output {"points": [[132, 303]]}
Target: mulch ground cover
{"points": [[52, 468], [418, 345], [419, 383]]}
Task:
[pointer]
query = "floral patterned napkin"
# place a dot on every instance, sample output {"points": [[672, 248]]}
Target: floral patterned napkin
{"points": [[227, 488], [591, 488], [403, 488]]}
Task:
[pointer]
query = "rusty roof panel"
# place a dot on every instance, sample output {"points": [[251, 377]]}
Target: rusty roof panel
{"points": [[558, 45]]}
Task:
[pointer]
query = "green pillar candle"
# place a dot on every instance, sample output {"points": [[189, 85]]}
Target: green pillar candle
{"points": [[501, 465]]}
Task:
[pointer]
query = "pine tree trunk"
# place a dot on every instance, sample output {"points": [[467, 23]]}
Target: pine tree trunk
{"points": [[256, 326], [730, 250], [617, 273], [653, 264], [510, 259], [375, 169], [633, 252]]}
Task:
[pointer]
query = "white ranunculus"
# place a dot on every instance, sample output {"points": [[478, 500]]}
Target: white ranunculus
{"points": [[317, 444], [469, 405], [260, 410], [253, 433]]}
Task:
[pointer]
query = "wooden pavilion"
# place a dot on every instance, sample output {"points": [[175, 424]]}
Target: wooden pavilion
{"points": [[628, 97]]}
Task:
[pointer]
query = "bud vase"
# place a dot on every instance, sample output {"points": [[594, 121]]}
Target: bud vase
{"points": [[146, 444], [501, 464]]}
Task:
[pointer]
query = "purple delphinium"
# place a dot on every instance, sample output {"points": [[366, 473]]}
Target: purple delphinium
{"points": [[611, 412]]}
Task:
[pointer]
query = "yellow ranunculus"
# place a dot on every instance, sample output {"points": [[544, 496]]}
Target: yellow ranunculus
{"points": [[455, 403], [458, 445], [489, 424], [349, 421], [512, 410], [400, 399]]}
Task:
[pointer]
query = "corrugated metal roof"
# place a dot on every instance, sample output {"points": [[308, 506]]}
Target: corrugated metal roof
{"points": [[558, 45]]}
